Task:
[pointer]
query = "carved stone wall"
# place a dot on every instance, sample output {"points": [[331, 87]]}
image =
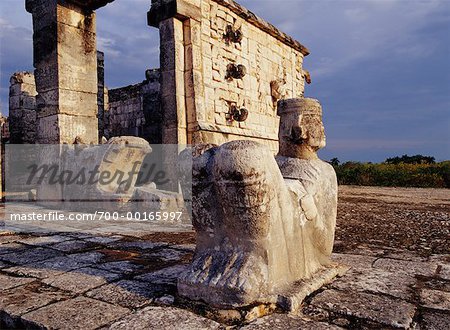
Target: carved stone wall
{"points": [[215, 54]]}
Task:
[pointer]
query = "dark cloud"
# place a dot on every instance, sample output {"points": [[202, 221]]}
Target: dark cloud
{"points": [[379, 67]]}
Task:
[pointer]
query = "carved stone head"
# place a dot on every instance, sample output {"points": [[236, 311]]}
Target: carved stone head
{"points": [[300, 126]]}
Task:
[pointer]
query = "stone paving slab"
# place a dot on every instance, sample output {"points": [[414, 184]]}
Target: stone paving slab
{"points": [[48, 268], [365, 306], [443, 271], [23, 299], [435, 321], [164, 318], [285, 322], [121, 267], [79, 313], [406, 266], [44, 240], [126, 293], [103, 240], [9, 282], [435, 299], [29, 255], [377, 281], [167, 275], [74, 246], [354, 260], [11, 247], [126, 279], [81, 280]]}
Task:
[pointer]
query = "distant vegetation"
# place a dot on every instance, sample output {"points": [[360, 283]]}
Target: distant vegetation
{"points": [[404, 171]]}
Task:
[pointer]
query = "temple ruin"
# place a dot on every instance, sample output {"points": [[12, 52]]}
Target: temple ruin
{"points": [[222, 71], [225, 75]]}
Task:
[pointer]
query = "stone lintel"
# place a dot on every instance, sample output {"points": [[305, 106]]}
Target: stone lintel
{"points": [[181, 9], [89, 5]]}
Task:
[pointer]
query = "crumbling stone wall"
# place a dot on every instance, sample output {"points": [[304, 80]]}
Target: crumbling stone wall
{"points": [[102, 94], [22, 108], [135, 110]]}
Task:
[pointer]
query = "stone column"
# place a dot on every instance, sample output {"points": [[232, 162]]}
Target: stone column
{"points": [[65, 61], [22, 108], [172, 81]]}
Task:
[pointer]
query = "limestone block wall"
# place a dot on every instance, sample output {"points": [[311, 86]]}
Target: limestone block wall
{"points": [[135, 110], [216, 55], [268, 61], [22, 108]]}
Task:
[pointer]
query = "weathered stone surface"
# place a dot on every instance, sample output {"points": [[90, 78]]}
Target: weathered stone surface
{"points": [[81, 280], [131, 294], [170, 254], [66, 315], [121, 267], [44, 240], [135, 110], [167, 275], [20, 300], [443, 271], [11, 247], [9, 282], [65, 59], [283, 322], [87, 257], [73, 246], [164, 318], [357, 262], [377, 281], [103, 240], [48, 268], [263, 226], [5, 239], [292, 298], [408, 267], [435, 321], [369, 307], [138, 245], [435, 299], [30, 255]]}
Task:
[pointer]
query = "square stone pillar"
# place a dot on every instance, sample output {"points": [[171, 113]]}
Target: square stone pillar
{"points": [[172, 81], [65, 61], [22, 108]]}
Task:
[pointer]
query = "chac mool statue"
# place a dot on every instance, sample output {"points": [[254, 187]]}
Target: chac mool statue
{"points": [[263, 223]]}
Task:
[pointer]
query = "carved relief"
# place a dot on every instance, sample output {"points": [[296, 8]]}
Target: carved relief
{"points": [[278, 90]]}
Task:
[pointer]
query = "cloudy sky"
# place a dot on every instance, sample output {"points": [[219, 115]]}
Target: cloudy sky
{"points": [[381, 68]]}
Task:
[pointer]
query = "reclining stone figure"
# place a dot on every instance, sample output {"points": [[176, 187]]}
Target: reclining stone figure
{"points": [[263, 223]]}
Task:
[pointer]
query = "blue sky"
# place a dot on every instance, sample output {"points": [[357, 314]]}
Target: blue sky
{"points": [[381, 68]]}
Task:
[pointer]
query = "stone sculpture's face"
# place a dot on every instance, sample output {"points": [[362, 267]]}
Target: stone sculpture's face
{"points": [[314, 131]]}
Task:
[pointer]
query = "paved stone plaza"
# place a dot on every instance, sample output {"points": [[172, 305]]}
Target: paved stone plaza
{"points": [[123, 275]]}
